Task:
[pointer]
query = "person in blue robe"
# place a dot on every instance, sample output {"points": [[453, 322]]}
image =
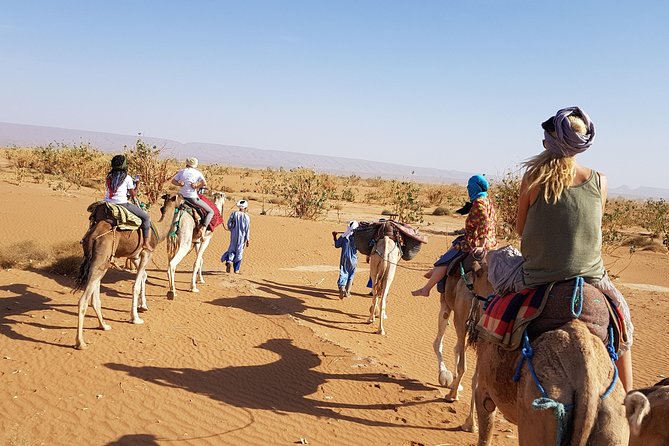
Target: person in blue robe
{"points": [[348, 259], [239, 225]]}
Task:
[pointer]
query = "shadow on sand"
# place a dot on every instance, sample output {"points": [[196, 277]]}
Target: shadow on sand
{"points": [[281, 386]]}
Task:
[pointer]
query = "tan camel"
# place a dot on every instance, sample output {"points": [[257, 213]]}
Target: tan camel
{"points": [[458, 300], [101, 245], [576, 372], [648, 415], [180, 245], [382, 265]]}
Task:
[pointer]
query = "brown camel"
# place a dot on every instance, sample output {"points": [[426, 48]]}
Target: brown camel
{"points": [[101, 244], [459, 300], [648, 415], [576, 373]]}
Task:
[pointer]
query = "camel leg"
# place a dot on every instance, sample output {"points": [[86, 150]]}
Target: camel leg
{"points": [[172, 266], [200, 255], [470, 424], [143, 306], [197, 266], [445, 375], [97, 306], [140, 281], [84, 301], [460, 363], [485, 412]]}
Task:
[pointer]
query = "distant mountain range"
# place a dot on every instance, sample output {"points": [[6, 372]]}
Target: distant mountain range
{"points": [[22, 135]]}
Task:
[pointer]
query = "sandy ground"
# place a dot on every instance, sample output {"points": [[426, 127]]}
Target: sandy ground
{"points": [[271, 356]]}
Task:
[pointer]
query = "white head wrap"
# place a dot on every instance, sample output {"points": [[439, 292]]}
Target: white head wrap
{"points": [[351, 226], [242, 204], [191, 161]]}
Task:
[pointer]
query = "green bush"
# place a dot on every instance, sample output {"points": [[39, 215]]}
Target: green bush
{"points": [[404, 197], [306, 192]]}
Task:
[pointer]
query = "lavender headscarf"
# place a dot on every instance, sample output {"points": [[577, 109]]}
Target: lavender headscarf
{"points": [[567, 142]]}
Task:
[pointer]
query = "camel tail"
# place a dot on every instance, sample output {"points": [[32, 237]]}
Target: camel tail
{"points": [[586, 401], [85, 267]]}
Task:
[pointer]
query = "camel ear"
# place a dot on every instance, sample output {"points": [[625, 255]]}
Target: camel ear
{"points": [[164, 196], [636, 408], [173, 198]]}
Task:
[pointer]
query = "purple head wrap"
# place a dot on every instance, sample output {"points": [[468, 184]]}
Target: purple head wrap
{"points": [[566, 141]]}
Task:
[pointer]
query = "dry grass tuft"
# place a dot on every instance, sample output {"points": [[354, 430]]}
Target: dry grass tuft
{"points": [[22, 255]]}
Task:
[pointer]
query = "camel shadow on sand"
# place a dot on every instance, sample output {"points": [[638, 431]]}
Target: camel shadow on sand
{"points": [[284, 386], [285, 303]]}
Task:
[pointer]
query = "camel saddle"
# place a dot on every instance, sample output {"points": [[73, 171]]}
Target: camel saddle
{"points": [[546, 308], [368, 233], [116, 216], [199, 214]]}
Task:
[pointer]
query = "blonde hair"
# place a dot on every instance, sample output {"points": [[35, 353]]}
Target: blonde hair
{"points": [[554, 172]]}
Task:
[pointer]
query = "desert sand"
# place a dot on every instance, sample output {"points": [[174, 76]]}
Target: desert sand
{"points": [[270, 356]]}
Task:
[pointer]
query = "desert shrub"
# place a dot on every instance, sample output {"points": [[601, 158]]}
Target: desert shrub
{"points": [[404, 197], [347, 195], [435, 195], [22, 254], [76, 164], [306, 192], [375, 182], [387, 212], [373, 197], [143, 160], [505, 195], [441, 211], [267, 184], [67, 258], [619, 214], [654, 217], [353, 180]]}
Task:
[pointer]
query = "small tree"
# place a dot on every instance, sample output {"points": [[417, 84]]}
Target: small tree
{"points": [[505, 195], [654, 217], [269, 179], [306, 192], [404, 197], [144, 161]]}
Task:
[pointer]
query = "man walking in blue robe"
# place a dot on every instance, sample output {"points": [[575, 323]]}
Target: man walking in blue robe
{"points": [[348, 259], [239, 225]]}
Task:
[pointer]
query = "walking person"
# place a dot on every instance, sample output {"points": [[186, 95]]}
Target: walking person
{"points": [[348, 260], [239, 225]]}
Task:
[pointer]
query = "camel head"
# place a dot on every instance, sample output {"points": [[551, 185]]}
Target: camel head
{"points": [[219, 199], [169, 203], [647, 410], [479, 277]]}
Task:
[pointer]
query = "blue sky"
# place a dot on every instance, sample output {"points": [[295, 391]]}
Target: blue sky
{"points": [[457, 85]]}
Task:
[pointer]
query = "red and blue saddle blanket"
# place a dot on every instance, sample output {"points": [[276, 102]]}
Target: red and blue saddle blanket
{"points": [[215, 220], [545, 308]]}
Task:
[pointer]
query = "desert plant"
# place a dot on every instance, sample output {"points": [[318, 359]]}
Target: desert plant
{"points": [[348, 195], [269, 178], [403, 196], [144, 161], [306, 192], [654, 217], [435, 195], [441, 211], [505, 193]]}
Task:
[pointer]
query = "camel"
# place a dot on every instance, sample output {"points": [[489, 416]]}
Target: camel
{"points": [[382, 265], [459, 300], [102, 243], [579, 381], [647, 411], [180, 245]]}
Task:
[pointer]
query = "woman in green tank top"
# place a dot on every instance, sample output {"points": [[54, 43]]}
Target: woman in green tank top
{"points": [[560, 210]]}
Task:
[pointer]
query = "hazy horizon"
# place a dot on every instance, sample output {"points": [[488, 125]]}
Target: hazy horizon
{"points": [[450, 85]]}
